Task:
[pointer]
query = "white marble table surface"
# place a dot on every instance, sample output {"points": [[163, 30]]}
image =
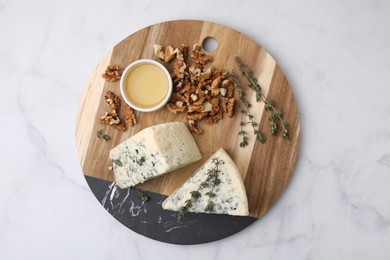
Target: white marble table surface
{"points": [[336, 55]]}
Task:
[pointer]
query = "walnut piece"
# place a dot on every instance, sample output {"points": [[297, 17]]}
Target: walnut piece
{"points": [[159, 51], [222, 91], [177, 97], [215, 86], [179, 67], [200, 74], [196, 116], [201, 97], [113, 73], [228, 106], [215, 106], [219, 73], [179, 103], [169, 54], [199, 57], [214, 119], [207, 107], [111, 117], [185, 88], [194, 127], [196, 108], [174, 108], [184, 51], [112, 100], [129, 115], [228, 85], [121, 126]]}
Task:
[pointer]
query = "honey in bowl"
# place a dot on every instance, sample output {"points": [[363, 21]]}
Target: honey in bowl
{"points": [[146, 85]]}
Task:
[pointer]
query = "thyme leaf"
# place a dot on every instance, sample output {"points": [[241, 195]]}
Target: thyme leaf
{"points": [[209, 207], [101, 135], [180, 216], [142, 195], [210, 194], [195, 194]]}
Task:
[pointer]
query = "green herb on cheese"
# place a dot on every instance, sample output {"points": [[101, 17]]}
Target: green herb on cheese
{"points": [[211, 181]]}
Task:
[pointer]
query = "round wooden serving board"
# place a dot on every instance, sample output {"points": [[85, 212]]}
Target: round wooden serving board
{"points": [[265, 168]]}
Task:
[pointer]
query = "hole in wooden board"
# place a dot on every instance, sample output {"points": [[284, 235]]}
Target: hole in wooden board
{"points": [[209, 44]]}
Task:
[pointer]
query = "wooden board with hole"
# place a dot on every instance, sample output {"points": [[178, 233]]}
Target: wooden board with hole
{"points": [[265, 168]]}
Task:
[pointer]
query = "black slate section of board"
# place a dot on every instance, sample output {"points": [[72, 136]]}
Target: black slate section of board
{"points": [[151, 220]]}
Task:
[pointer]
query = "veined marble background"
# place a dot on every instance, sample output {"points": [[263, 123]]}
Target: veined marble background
{"points": [[336, 56]]}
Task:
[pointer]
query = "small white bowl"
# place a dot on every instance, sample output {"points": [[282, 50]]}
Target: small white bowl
{"points": [[151, 62]]}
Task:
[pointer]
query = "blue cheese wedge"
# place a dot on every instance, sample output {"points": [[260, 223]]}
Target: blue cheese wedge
{"points": [[228, 195], [152, 152]]}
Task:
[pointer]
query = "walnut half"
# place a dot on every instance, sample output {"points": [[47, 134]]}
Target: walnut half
{"points": [[112, 100], [129, 115], [113, 73], [111, 117]]}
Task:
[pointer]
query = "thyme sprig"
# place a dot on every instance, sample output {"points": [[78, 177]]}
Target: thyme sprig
{"points": [[247, 117], [211, 182], [276, 115]]}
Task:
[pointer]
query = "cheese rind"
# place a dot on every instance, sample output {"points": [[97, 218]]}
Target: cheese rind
{"points": [[153, 152], [230, 195]]}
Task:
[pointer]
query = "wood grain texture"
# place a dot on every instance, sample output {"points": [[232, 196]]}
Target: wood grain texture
{"points": [[265, 168]]}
